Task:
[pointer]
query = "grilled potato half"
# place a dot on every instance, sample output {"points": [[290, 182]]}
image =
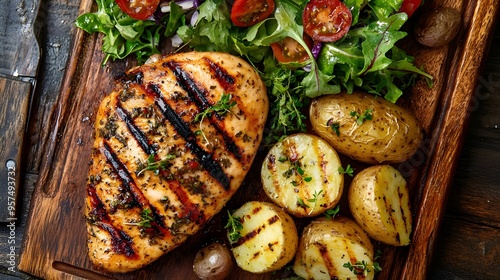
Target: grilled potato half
{"points": [[379, 202], [329, 246], [268, 237], [301, 174]]}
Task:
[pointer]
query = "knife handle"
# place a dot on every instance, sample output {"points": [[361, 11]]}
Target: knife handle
{"points": [[14, 109]]}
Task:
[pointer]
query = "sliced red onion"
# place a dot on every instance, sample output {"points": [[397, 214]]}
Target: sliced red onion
{"points": [[194, 18], [316, 49], [176, 41]]}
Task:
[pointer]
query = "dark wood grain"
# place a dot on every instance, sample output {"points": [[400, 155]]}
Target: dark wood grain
{"points": [[15, 96], [467, 224]]}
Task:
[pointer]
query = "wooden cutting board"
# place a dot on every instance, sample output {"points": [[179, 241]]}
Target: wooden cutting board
{"points": [[55, 238]]}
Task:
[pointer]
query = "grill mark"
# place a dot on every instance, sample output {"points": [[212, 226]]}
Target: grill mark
{"points": [[198, 95], [403, 213], [206, 159], [188, 84], [252, 234], [225, 79], [388, 206], [323, 250], [190, 210], [120, 241], [129, 184], [139, 136]]}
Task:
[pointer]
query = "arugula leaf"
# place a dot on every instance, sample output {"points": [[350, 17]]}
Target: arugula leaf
{"points": [[212, 30], [123, 35]]}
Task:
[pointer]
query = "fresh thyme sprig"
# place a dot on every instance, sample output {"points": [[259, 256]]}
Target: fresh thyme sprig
{"points": [[222, 107], [234, 226], [146, 219], [156, 166], [363, 268]]}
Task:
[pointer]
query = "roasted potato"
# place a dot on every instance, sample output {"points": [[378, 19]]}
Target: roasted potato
{"points": [[268, 237], [367, 128], [379, 202], [328, 247], [437, 27], [300, 173]]}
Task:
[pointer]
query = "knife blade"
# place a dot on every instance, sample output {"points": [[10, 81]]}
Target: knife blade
{"points": [[19, 58]]}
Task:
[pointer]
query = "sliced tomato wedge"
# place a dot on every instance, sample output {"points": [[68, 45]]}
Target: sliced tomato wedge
{"points": [[326, 20], [289, 50], [410, 6], [245, 13], [138, 9]]}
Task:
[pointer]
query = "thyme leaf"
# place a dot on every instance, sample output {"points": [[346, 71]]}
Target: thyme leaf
{"points": [[146, 219], [156, 166], [367, 115]]}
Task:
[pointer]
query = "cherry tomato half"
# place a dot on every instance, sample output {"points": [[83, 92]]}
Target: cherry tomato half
{"points": [[410, 6], [138, 9], [289, 50], [326, 20], [246, 13]]}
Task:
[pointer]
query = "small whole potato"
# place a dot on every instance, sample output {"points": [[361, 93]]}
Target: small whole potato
{"points": [[437, 27], [367, 128], [380, 204], [213, 262]]}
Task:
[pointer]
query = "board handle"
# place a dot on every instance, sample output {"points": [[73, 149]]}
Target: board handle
{"points": [[14, 108]]}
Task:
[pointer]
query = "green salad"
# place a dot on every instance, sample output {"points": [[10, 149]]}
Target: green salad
{"points": [[362, 55]]}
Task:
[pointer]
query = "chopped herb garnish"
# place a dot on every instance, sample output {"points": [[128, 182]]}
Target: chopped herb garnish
{"points": [[234, 226], [331, 213], [348, 170], [222, 107], [146, 219], [367, 115], [315, 196], [296, 168], [156, 166], [362, 267], [301, 203], [335, 126]]}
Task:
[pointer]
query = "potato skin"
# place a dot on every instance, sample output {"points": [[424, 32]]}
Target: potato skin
{"points": [[379, 202], [437, 27], [391, 136], [327, 244], [213, 262]]}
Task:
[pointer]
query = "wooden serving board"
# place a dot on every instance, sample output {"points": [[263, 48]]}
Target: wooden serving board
{"points": [[55, 239]]}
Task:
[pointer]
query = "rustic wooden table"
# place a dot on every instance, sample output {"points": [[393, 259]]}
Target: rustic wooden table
{"points": [[469, 238]]}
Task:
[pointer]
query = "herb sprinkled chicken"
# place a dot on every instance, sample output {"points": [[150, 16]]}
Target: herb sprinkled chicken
{"points": [[173, 142]]}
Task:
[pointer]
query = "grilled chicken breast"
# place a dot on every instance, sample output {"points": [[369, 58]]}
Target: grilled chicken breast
{"points": [[173, 142]]}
